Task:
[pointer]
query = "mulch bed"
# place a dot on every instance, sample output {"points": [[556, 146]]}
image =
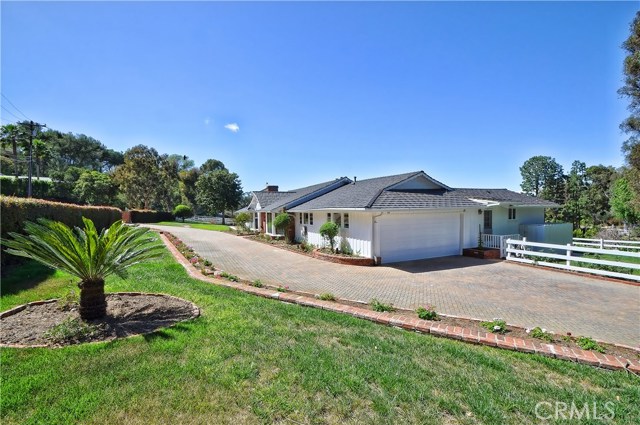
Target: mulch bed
{"points": [[128, 314]]}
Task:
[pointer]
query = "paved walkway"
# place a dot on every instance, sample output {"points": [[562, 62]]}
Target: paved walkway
{"points": [[458, 286]]}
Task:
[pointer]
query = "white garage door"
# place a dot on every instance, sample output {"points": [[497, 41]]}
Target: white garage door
{"points": [[415, 236]]}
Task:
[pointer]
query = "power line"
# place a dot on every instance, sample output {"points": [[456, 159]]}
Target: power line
{"points": [[16, 108], [17, 117]]}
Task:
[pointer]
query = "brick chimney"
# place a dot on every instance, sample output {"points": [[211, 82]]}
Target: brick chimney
{"points": [[271, 188]]}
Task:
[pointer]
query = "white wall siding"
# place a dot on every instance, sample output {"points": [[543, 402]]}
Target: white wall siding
{"points": [[358, 234]]}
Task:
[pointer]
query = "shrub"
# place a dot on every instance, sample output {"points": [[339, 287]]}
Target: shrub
{"points": [[242, 219], [428, 313], [540, 333], [207, 263], [306, 246], [329, 231], [377, 305], [327, 296], [230, 277], [496, 326], [9, 186], [183, 211], [587, 343], [281, 288], [72, 330], [257, 283], [146, 216]]}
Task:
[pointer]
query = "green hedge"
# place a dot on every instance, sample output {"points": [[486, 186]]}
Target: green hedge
{"points": [[15, 211], [9, 186], [146, 216]]}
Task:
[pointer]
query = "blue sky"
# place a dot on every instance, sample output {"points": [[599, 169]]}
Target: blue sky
{"points": [[464, 91]]}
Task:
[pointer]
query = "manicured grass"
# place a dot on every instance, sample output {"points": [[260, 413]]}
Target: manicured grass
{"points": [[196, 225], [253, 360]]}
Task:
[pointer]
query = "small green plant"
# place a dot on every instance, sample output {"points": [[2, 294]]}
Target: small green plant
{"points": [[329, 231], [230, 277], [182, 211], [207, 263], [587, 343], [257, 283], [71, 330], [427, 313], [69, 301], [327, 296], [281, 288], [498, 326], [306, 246], [480, 245], [377, 305], [540, 333]]}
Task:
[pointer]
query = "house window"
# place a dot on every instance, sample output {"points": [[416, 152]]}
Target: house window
{"points": [[300, 218], [346, 221], [328, 216], [337, 218], [512, 213], [311, 219], [306, 218]]}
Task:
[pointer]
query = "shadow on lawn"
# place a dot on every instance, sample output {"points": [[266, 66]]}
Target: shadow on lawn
{"points": [[22, 276]]}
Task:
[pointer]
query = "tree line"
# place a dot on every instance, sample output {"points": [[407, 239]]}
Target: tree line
{"points": [[84, 171]]}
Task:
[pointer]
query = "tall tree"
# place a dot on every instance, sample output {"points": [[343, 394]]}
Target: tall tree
{"points": [[211, 165], [576, 200], [600, 180], [219, 191], [631, 125], [542, 176], [621, 205], [140, 176], [95, 188], [9, 137]]}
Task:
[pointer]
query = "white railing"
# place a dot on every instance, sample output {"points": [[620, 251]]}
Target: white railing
{"points": [[498, 242], [607, 243], [522, 251]]}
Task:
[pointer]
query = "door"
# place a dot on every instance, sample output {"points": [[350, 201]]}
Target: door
{"points": [[488, 222], [404, 237]]}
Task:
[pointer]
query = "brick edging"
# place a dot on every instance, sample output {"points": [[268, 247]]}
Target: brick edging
{"points": [[425, 326], [338, 259]]}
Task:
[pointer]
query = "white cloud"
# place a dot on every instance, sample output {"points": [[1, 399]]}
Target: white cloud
{"points": [[207, 121], [232, 127]]}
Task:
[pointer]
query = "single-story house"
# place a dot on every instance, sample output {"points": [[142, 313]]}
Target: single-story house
{"points": [[398, 218]]}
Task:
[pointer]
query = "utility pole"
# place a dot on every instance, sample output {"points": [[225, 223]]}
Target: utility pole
{"points": [[32, 127]]}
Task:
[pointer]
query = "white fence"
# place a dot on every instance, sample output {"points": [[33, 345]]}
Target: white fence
{"points": [[537, 253], [607, 243], [498, 241]]}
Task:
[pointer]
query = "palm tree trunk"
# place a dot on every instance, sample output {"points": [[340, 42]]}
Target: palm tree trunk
{"points": [[93, 304]]}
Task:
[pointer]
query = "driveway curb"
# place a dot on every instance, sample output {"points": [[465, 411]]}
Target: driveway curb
{"points": [[424, 326]]}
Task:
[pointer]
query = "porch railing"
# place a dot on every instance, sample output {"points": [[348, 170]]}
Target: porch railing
{"points": [[498, 242]]}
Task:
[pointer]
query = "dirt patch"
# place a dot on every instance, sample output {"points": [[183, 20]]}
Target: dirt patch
{"points": [[128, 314]]}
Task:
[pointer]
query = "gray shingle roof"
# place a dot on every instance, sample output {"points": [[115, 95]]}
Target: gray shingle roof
{"points": [[273, 201], [505, 195], [359, 195], [429, 199]]}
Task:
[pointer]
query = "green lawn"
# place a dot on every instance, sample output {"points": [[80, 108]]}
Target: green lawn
{"points": [[196, 225], [253, 360]]}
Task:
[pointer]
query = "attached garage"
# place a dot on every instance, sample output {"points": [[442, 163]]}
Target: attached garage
{"points": [[404, 237]]}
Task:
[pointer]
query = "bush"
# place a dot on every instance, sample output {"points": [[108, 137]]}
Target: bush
{"points": [[146, 216], [540, 333], [498, 326], [587, 343], [257, 283], [183, 211], [242, 219], [15, 211], [327, 296], [329, 231], [428, 313], [380, 306]]}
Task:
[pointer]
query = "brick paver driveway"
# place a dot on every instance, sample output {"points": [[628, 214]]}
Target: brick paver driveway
{"points": [[459, 286]]}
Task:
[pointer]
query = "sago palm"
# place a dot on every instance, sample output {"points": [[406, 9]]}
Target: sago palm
{"points": [[85, 253]]}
